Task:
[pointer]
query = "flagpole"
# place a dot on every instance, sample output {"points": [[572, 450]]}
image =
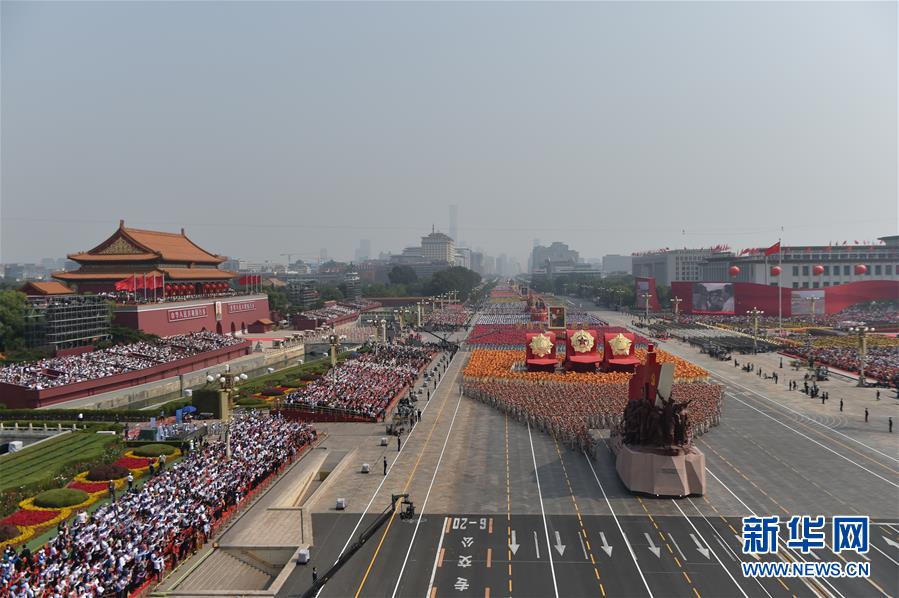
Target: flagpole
{"points": [[780, 261]]}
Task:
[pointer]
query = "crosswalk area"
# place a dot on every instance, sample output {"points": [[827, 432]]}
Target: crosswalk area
{"points": [[477, 555]]}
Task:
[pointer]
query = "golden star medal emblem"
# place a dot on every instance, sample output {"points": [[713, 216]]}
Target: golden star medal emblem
{"points": [[541, 346], [621, 345], [582, 341]]}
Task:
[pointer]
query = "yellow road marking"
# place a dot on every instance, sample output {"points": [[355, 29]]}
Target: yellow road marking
{"points": [[421, 453]]}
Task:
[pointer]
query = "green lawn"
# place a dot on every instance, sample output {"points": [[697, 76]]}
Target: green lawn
{"points": [[37, 462]]}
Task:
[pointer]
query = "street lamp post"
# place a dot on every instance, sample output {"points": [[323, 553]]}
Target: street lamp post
{"points": [[862, 332], [418, 317], [813, 301], [384, 330], [755, 313], [676, 301], [646, 297]]}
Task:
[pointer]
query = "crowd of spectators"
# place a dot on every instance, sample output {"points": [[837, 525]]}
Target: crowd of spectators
{"points": [[881, 363], [129, 542], [366, 384], [118, 359], [878, 314], [452, 317], [331, 314]]}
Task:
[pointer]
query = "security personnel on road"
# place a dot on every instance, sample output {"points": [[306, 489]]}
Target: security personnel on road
{"points": [[385, 465]]}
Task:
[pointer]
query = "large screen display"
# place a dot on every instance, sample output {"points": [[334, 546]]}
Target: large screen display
{"points": [[713, 297], [801, 302]]}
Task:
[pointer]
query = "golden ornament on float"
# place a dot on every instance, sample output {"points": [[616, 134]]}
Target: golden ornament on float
{"points": [[541, 346], [621, 345], [582, 341]]}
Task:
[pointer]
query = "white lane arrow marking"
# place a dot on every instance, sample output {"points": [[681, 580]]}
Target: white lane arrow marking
{"points": [[702, 549], [559, 546], [536, 545], [655, 549], [605, 545], [891, 542], [752, 554], [513, 545]]}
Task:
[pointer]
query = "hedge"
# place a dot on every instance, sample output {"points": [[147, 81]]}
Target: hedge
{"points": [[94, 415], [60, 498], [8, 532], [107, 471], [154, 450]]}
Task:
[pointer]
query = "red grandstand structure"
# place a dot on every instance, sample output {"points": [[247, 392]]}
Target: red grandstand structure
{"points": [[16, 396]]}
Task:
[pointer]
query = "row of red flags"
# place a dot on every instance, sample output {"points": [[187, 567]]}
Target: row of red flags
{"points": [[248, 279], [776, 249], [137, 282]]}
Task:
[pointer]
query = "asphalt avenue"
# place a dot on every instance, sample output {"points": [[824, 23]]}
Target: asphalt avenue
{"points": [[503, 510]]}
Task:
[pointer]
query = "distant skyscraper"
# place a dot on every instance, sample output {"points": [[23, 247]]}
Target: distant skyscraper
{"points": [[454, 222], [364, 250], [323, 255]]}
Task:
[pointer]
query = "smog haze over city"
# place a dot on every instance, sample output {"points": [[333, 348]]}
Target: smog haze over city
{"points": [[267, 128]]}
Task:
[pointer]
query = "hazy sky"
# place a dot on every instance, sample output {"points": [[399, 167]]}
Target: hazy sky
{"points": [[265, 128]]}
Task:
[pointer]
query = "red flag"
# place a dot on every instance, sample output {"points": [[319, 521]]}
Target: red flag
{"points": [[126, 284], [154, 282], [773, 249]]}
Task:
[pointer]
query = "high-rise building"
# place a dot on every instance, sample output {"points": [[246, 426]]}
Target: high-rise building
{"points": [[438, 247], [616, 263], [556, 255], [463, 257], [477, 262], [363, 252], [454, 221], [670, 265]]}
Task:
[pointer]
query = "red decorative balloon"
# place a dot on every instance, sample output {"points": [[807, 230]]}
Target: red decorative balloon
{"points": [[861, 269], [734, 270], [818, 270], [776, 270]]}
